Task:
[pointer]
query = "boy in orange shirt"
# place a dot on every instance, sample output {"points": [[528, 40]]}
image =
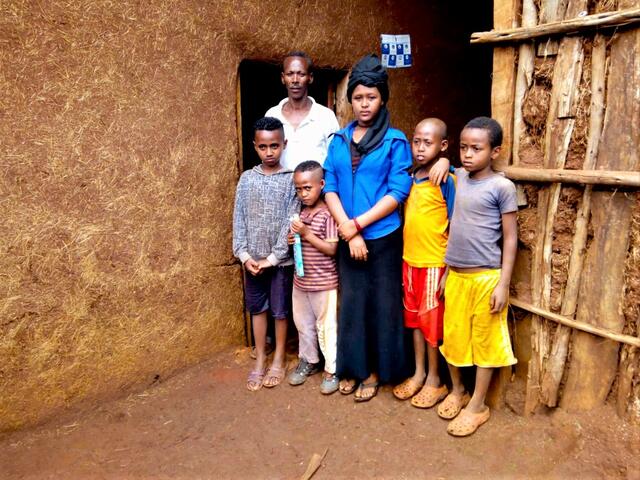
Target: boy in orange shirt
{"points": [[426, 230]]}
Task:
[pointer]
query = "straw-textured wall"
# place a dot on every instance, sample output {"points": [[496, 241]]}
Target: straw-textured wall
{"points": [[119, 163]]}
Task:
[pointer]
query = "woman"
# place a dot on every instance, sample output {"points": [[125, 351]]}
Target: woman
{"points": [[367, 178]]}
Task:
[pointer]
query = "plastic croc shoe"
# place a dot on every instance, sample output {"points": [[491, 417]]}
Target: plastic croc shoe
{"points": [[329, 385], [429, 396], [407, 389], [466, 423], [452, 405]]}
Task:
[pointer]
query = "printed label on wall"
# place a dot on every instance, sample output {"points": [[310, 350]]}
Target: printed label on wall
{"points": [[396, 50]]}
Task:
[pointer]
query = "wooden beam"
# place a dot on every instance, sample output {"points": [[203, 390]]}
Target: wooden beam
{"points": [[576, 25], [582, 326], [504, 78], [580, 177]]}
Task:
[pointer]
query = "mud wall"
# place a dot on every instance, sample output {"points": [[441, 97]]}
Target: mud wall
{"points": [[119, 161]]}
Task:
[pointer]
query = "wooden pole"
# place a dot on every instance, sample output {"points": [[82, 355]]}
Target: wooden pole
{"points": [[595, 363], [560, 346], [560, 123], [524, 77], [550, 11], [580, 177], [504, 77], [575, 324], [502, 97], [575, 25]]}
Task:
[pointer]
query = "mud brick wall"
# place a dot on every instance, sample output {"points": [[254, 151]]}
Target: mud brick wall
{"points": [[119, 162]]}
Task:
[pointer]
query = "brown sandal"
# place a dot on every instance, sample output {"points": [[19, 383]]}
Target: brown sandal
{"points": [[407, 389], [429, 396], [467, 422], [373, 387], [255, 380], [347, 386], [452, 405], [275, 373]]}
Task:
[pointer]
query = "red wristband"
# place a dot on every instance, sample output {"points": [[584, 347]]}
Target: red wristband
{"points": [[358, 227]]}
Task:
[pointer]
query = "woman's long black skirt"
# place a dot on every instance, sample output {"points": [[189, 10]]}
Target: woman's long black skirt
{"points": [[370, 322]]}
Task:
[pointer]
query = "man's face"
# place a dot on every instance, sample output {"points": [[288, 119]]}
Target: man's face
{"points": [[296, 77]]}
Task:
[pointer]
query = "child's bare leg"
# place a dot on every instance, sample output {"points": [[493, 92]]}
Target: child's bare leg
{"points": [[483, 379], [260, 337], [419, 349], [433, 377], [281, 340], [457, 387]]}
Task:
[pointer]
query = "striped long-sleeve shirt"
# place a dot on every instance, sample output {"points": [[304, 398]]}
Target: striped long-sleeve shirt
{"points": [[263, 207]]}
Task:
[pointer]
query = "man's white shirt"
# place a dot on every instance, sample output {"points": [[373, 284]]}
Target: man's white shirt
{"points": [[310, 141]]}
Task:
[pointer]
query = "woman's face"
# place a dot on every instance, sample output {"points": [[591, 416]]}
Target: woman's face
{"points": [[366, 103]]}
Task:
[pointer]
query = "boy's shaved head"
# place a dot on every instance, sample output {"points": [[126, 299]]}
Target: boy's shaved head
{"points": [[439, 126]]}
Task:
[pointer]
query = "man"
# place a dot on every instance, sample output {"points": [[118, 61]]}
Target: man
{"points": [[307, 124]]}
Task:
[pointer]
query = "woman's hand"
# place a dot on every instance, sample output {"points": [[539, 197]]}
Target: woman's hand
{"points": [[440, 171], [358, 248], [347, 230]]}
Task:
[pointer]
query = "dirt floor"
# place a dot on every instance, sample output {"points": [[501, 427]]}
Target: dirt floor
{"points": [[203, 423]]}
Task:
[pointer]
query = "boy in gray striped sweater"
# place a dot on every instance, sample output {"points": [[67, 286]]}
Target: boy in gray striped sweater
{"points": [[265, 200]]}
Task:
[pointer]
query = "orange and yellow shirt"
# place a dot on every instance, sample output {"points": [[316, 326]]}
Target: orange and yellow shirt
{"points": [[426, 223]]}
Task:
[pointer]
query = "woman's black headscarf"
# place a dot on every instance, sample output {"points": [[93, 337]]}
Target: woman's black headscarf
{"points": [[370, 73]]}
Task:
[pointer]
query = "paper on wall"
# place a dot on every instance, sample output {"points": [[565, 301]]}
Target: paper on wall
{"points": [[396, 50]]}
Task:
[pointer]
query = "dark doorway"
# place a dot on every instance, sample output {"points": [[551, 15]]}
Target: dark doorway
{"points": [[261, 89]]}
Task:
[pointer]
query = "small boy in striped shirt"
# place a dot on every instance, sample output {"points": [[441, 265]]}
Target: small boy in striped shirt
{"points": [[315, 294]]}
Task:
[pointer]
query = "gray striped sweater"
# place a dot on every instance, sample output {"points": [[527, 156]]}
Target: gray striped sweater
{"points": [[263, 206]]}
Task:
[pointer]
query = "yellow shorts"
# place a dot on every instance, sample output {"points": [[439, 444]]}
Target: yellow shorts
{"points": [[472, 334]]}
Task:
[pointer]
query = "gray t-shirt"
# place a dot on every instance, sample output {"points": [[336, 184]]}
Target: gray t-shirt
{"points": [[475, 232]]}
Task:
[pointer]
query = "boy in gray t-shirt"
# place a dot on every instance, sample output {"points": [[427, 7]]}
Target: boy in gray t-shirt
{"points": [[479, 273]]}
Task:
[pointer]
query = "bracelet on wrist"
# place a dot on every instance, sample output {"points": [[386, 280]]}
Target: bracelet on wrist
{"points": [[358, 227]]}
